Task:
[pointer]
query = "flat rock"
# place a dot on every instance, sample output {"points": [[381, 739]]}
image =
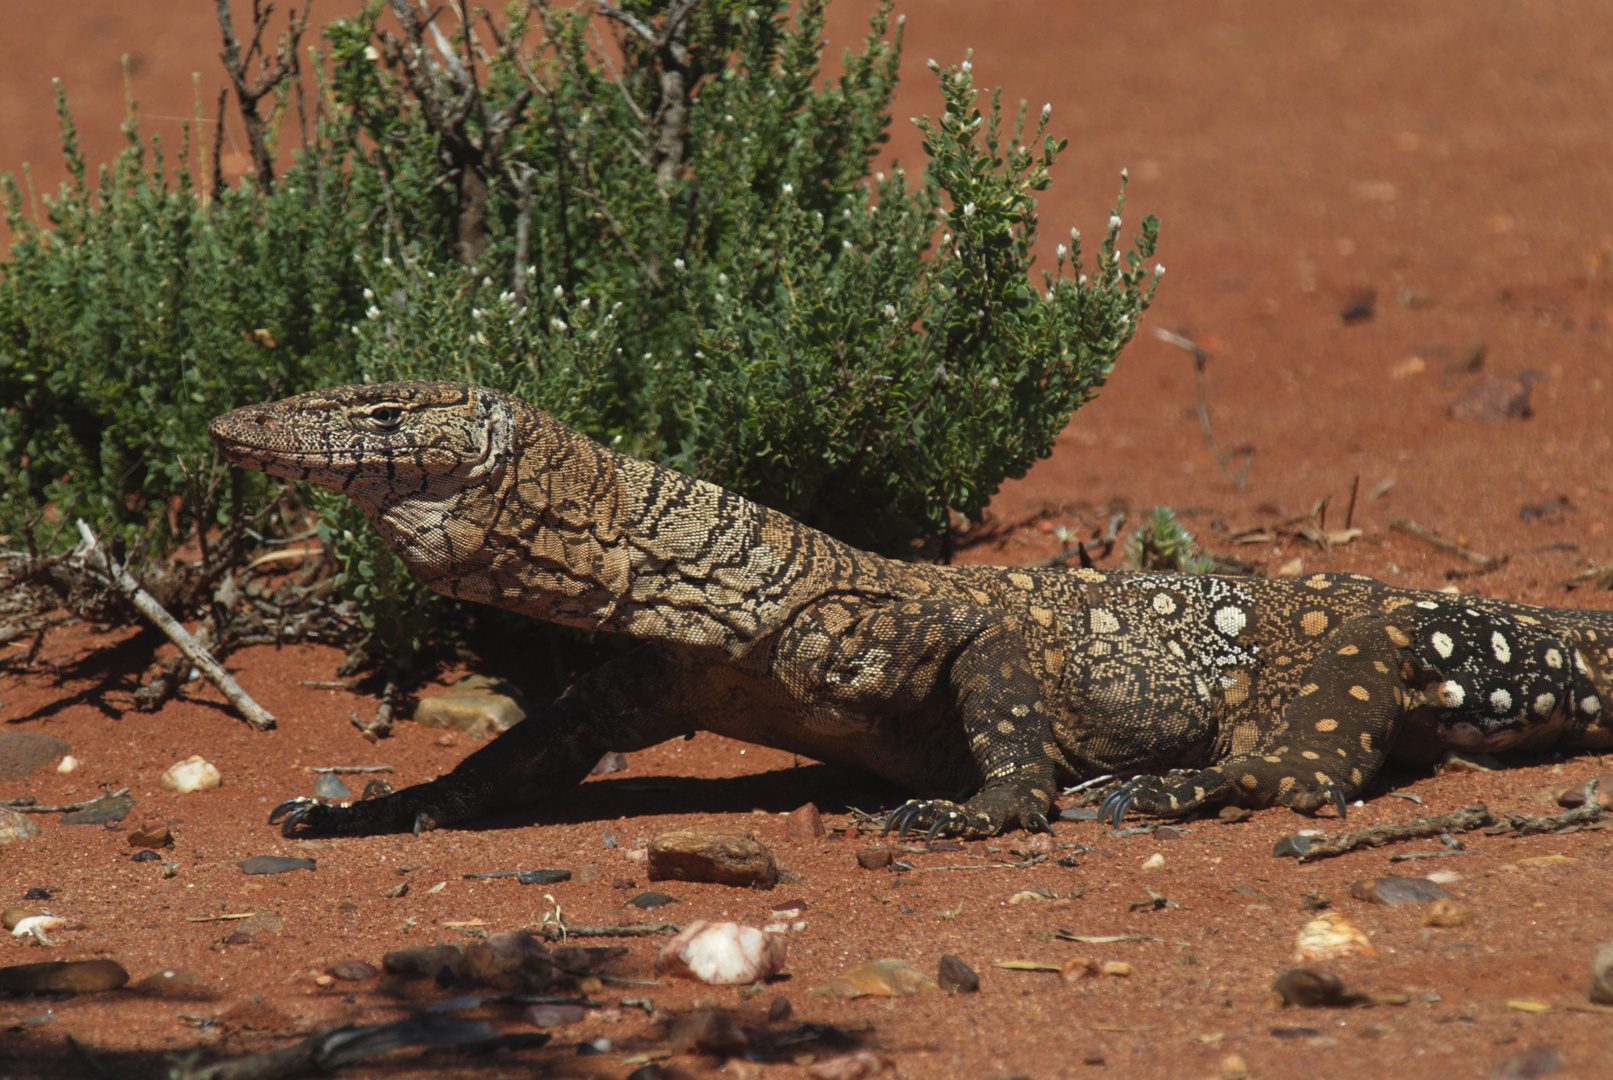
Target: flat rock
{"points": [[479, 706], [275, 864], [103, 811], [548, 1016], [1310, 988], [151, 834], [176, 984], [1397, 890], [1534, 1062], [881, 978], [1291, 847], [1079, 813], [1232, 815], [805, 824], [1330, 936], [63, 977], [956, 977], [648, 901], [15, 826], [23, 753], [721, 854], [875, 858], [351, 970], [330, 786], [1602, 975]]}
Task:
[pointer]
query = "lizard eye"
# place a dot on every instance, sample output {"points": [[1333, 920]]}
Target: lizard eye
{"points": [[387, 416]]}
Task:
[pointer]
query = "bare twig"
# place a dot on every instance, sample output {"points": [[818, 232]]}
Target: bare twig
{"points": [[1569, 820], [558, 933], [1102, 546], [98, 562], [27, 805], [249, 92], [352, 768], [1429, 536], [1473, 817], [666, 129], [1349, 511], [1200, 360]]}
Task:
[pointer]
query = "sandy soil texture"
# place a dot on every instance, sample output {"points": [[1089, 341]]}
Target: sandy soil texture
{"points": [[1386, 228]]}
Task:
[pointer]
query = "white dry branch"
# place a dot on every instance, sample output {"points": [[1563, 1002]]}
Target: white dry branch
{"points": [[94, 558]]}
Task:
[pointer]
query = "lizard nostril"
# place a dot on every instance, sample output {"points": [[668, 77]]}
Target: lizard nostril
{"points": [[266, 420]]}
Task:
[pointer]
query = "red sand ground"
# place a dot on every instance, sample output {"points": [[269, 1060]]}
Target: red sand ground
{"points": [[1450, 159]]}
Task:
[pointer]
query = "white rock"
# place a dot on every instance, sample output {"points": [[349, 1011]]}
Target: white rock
{"points": [[192, 774], [1156, 861], [722, 953], [35, 926], [69, 763]]}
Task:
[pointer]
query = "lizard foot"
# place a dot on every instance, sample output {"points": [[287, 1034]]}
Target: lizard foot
{"points": [[1158, 797], [305, 817], [987, 814]]}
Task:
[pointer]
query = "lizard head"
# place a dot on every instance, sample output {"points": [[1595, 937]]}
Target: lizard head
{"points": [[379, 444]]}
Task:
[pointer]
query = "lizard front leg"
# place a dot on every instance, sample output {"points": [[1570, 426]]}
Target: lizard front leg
{"points": [[924, 669], [628, 703]]}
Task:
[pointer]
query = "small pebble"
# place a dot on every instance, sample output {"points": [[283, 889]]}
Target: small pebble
{"points": [[275, 864], [36, 893], [1080, 967], [103, 811], [1079, 813], [1169, 832], [68, 765], [804, 824], [548, 1016], [330, 786], [874, 858], [1291, 847], [612, 761], [37, 926], [1156, 861], [722, 953], [853, 1066], [146, 856], [710, 1031], [881, 978], [1397, 890], [1309, 988], [351, 970], [193, 774], [1118, 967], [542, 877], [151, 834], [1537, 1061], [1446, 912], [1330, 936], [423, 961], [780, 1010], [15, 826], [957, 977], [1602, 975], [649, 901], [1231, 815], [1458, 761]]}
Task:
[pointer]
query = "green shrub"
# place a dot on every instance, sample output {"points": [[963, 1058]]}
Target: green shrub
{"points": [[681, 252]]}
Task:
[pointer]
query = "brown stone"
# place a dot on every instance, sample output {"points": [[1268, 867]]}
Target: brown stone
{"points": [[1231, 815], [1309, 988], [1398, 890], [1602, 975], [351, 970], [874, 858], [63, 977], [477, 705], [15, 826], [805, 824], [424, 961], [151, 834], [721, 854], [957, 977]]}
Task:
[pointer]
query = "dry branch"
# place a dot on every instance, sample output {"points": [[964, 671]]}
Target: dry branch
{"points": [[95, 560], [1429, 536], [1473, 817]]}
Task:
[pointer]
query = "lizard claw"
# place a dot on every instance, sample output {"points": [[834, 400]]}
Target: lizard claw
{"points": [[1336, 795], [301, 814], [901, 819], [1114, 807], [1037, 823], [940, 823]]}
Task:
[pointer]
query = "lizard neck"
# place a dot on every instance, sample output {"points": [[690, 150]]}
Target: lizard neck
{"points": [[571, 532]]}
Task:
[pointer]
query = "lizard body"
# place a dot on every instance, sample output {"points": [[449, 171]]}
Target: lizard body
{"points": [[979, 688]]}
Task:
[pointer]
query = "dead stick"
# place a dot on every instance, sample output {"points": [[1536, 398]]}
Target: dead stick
{"points": [[1474, 817], [101, 563], [1406, 525], [1349, 511], [27, 805], [352, 768], [556, 933]]}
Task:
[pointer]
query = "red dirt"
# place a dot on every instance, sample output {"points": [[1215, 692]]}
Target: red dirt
{"points": [[1445, 157]]}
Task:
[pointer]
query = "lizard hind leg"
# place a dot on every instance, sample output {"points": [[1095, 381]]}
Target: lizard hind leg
{"points": [[1329, 743]]}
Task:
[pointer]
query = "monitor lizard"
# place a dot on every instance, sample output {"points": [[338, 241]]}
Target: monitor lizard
{"points": [[980, 689]]}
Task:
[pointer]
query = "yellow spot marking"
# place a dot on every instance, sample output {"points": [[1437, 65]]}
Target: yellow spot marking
{"points": [[1198, 793], [1042, 615], [1272, 759], [1317, 581], [1004, 727], [1382, 668], [1355, 777], [1327, 725], [1322, 778], [1238, 692], [1313, 622], [1348, 650], [1310, 755], [1284, 784], [1366, 742], [1088, 574], [980, 597], [1360, 693], [1398, 636], [1308, 689], [1054, 659], [1248, 780], [1021, 581], [1527, 620]]}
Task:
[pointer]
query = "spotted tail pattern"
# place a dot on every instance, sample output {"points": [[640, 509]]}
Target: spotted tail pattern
{"points": [[978, 688]]}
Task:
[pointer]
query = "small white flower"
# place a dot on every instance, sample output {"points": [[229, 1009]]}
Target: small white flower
{"points": [[1158, 269], [531, 271], [369, 294], [586, 303], [386, 260], [593, 335], [946, 238], [846, 244], [994, 383], [678, 265], [1125, 320], [1083, 279], [1075, 236], [932, 65], [558, 325], [431, 275], [879, 178], [1114, 222], [966, 66], [487, 283], [559, 293], [1125, 174], [1062, 251], [505, 297], [480, 338], [789, 189], [728, 118], [968, 209], [722, 280], [1047, 110], [372, 312], [477, 313], [719, 298], [355, 331], [889, 311]]}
